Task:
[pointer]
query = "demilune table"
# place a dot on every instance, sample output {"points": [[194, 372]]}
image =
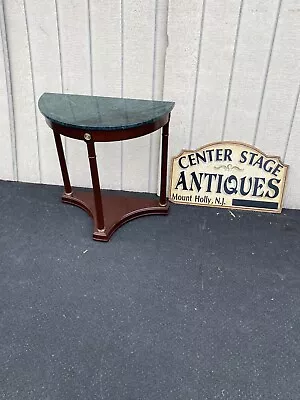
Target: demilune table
{"points": [[105, 119]]}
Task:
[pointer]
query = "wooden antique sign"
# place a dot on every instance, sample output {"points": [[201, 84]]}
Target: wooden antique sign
{"points": [[228, 175]]}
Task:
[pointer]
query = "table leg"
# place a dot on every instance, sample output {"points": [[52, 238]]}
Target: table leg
{"points": [[96, 185], [63, 165], [164, 165]]}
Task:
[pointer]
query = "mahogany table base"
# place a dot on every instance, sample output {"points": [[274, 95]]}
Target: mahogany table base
{"points": [[117, 210]]}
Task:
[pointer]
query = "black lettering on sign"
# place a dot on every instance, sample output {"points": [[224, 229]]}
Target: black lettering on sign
{"points": [[228, 181], [181, 181], [210, 176], [227, 155], [201, 157], [243, 158], [253, 155], [258, 186], [219, 154], [196, 181], [244, 191], [259, 162], [192, 159], [266, 168], [180, 162], [273, 187], [277, 170], [220, 180]]}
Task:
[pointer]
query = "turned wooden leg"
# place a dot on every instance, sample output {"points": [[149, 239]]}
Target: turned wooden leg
{"points": [[63, 164], [164, 165], [96, 185]]}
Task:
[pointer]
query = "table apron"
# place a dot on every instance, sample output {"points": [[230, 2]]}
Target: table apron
{"points": [[108, 135]]}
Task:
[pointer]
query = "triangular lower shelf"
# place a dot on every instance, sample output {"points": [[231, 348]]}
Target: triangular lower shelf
{"points": [[117, 209]]}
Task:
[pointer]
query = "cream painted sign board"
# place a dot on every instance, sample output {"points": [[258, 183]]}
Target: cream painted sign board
{"points": [[228, 175]]}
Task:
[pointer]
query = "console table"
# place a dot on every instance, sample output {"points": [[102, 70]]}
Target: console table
{"points": [[106, 119]]}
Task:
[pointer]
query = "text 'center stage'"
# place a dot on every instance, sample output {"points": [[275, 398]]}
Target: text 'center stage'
{"points": [[228, 175]]}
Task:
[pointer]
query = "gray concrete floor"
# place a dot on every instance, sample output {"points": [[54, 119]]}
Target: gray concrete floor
{"points": [[197, 305]]}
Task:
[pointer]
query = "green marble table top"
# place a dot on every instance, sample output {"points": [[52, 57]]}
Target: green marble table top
{"points": [[101, 113]]}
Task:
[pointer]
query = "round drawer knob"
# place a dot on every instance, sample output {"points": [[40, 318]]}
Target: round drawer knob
{"points": [[87, 136]]}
